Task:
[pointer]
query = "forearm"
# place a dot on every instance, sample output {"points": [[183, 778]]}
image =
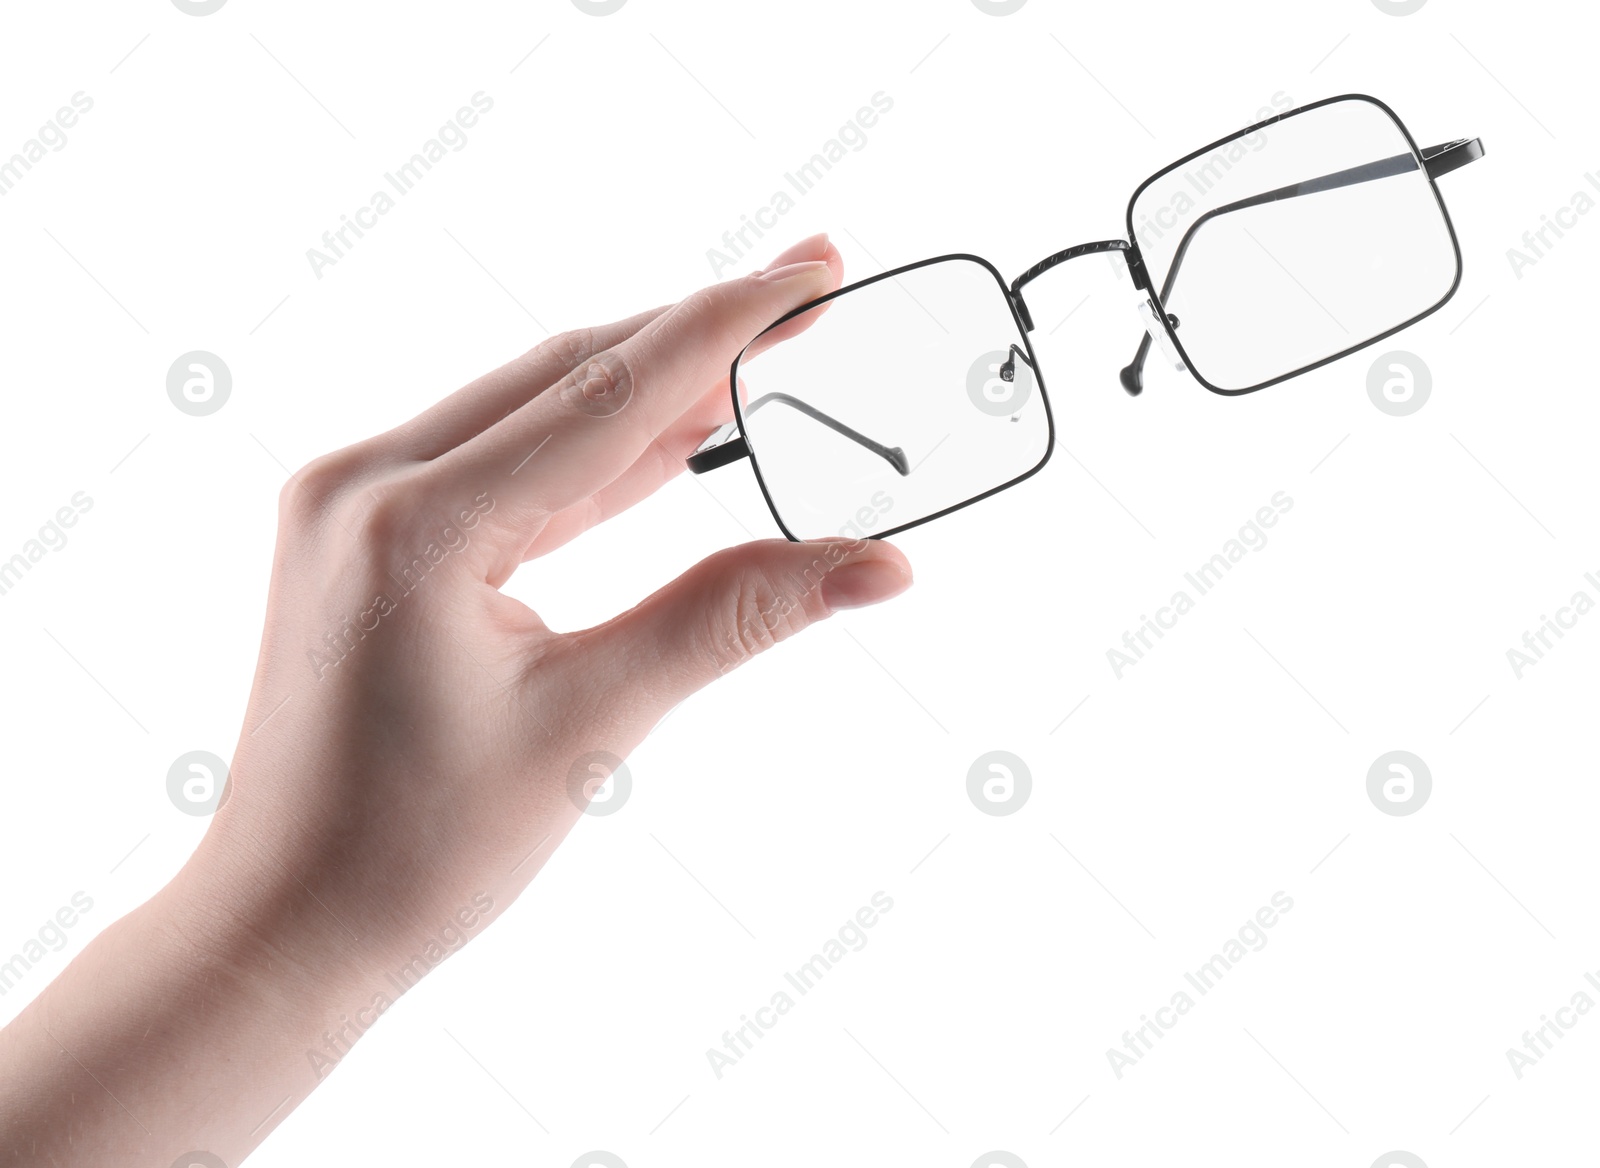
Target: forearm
{"points": [[418, 743], [186, 1026]]}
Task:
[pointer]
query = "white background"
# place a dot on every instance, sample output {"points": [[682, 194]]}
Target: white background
{"points": [[1229, 764]]}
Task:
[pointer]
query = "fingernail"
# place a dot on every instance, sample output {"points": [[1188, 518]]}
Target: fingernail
{"points": [[862, 583], [812, 245], [788, 271]]}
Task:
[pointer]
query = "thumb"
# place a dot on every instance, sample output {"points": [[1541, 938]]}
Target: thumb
{"points": [[740, 602]]}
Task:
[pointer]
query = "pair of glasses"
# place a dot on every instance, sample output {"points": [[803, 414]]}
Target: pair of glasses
{"points": [[1269, 253]]}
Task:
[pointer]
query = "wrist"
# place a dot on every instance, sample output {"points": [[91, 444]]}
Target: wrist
{"points": [[292, 929], [193, 1022], [251, 921]]}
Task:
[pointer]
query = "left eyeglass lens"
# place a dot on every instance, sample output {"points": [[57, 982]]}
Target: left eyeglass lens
{"points": [[1296, 242], [893, 404]]}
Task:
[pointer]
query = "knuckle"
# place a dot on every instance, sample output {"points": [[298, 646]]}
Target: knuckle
{"points": [[318, 484], [387, 517], [570, 348], [714, 299], [761, 613], [603, 385], [717, 312], [347, 490], [717, 304]]}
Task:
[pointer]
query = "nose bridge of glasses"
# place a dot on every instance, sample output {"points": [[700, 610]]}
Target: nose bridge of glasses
{"points": [[1130, 252]]}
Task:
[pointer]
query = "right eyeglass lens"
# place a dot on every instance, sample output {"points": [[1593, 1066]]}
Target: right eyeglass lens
{"points": [[1287, 246], [892, 405]]}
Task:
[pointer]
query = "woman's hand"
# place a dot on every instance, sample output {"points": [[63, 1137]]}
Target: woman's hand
{"points": [[420, 728], [417, 743]]}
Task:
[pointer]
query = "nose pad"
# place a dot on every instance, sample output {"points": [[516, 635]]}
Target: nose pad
{"points": [[1152, 325]]}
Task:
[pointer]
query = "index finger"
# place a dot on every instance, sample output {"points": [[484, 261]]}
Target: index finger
{"points": [[588, 429]]}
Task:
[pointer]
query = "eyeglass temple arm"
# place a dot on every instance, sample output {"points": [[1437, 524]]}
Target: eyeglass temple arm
{"points": [[736, 448], [1437, 160]]}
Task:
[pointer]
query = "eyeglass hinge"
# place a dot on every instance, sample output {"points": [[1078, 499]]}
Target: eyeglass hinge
{"points": [[1022, 310], [720, 449], [1136, 268]]}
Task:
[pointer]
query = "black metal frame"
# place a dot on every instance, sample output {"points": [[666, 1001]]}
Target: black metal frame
{"points": [[704, 459], [1434, 161]]}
